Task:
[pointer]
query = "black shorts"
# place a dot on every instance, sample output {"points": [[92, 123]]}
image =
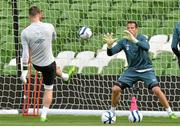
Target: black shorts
{"points": [[48, 73]]}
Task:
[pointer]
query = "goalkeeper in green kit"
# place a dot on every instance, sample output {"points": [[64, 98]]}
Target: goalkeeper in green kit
{"points": [[139, 68]]}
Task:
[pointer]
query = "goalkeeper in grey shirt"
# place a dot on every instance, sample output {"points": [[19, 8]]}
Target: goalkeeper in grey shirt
{"points": [[37, 49]]}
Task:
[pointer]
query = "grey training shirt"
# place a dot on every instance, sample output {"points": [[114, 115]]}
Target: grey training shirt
{"points": [[38, 37]]}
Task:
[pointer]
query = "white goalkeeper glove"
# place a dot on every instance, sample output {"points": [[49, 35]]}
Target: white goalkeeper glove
{"points": [[109, 40], [128, 35], [24, 74]]}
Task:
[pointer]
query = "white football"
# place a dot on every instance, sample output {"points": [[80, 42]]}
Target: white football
{"points": [[135, 116], [85, 32], [108, 117]]}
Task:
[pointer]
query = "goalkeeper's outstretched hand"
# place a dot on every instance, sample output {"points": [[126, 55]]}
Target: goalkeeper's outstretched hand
{"points": [[109, 40], [129, 36]]}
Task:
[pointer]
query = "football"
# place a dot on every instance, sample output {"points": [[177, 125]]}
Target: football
{"points": [[108, 117], [135, 116], [85, 32]]}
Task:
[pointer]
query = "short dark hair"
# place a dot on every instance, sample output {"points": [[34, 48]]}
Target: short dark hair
{"points": [[136, 24], [34, 10]]}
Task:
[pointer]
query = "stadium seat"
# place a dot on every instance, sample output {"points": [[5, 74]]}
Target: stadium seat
{"points": [[81, 1], [82, 59], [91, 23], [121, 6], [164, 30], [115, 67], [85, 55], [157, 65], [93, 44], [23, 23], [104, 47], [6, 26], [90, 70], [164, 6], [37, 1], [170, 23], [7, 41], [174, 64], [75, 15], [58, 1], [69, 23], [116, 16], [63, 33], [108, 25], [67, 68], [66, 55], [94, 15], [42, 6], [159, 39], [119, 32], [101, 1], [125, 1], [165, 58], [4, 4], [166, 48], [101, 7], [96, 65], [79, 63], [13, 62], [23, 14], [138, 11], [9, 70], [172, 72], [149, 31], [80, 7], [54, 14], [153, 23], [62, 62], [173, 15], [103, 55], [156, 43], [170, 38], [60, 6], [51, 20], [23, 5], [121, 55], [7, 49], [6, 14]]}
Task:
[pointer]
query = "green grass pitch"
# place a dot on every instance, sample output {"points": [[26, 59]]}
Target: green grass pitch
{"points": [[72, 120]]}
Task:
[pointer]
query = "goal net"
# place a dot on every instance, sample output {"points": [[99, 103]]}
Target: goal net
{"points": [[89, 90]]}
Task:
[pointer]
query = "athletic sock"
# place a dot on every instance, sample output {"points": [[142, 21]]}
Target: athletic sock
{"points": [[169, 111], [44, 112], [113, 109], [65, 76]]}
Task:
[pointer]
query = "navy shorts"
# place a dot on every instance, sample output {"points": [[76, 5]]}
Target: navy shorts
{"points": [[48, 73], [130, 77]]}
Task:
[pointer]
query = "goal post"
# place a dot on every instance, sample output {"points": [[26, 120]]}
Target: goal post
{"points": [[89, 90]]}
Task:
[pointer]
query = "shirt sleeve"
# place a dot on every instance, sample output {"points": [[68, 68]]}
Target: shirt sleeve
{"points": [[25, 52], [143, 43], [117, 48], [175, 40]]}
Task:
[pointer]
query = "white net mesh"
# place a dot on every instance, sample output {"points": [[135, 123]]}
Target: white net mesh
{"points": [[90, 87]]}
